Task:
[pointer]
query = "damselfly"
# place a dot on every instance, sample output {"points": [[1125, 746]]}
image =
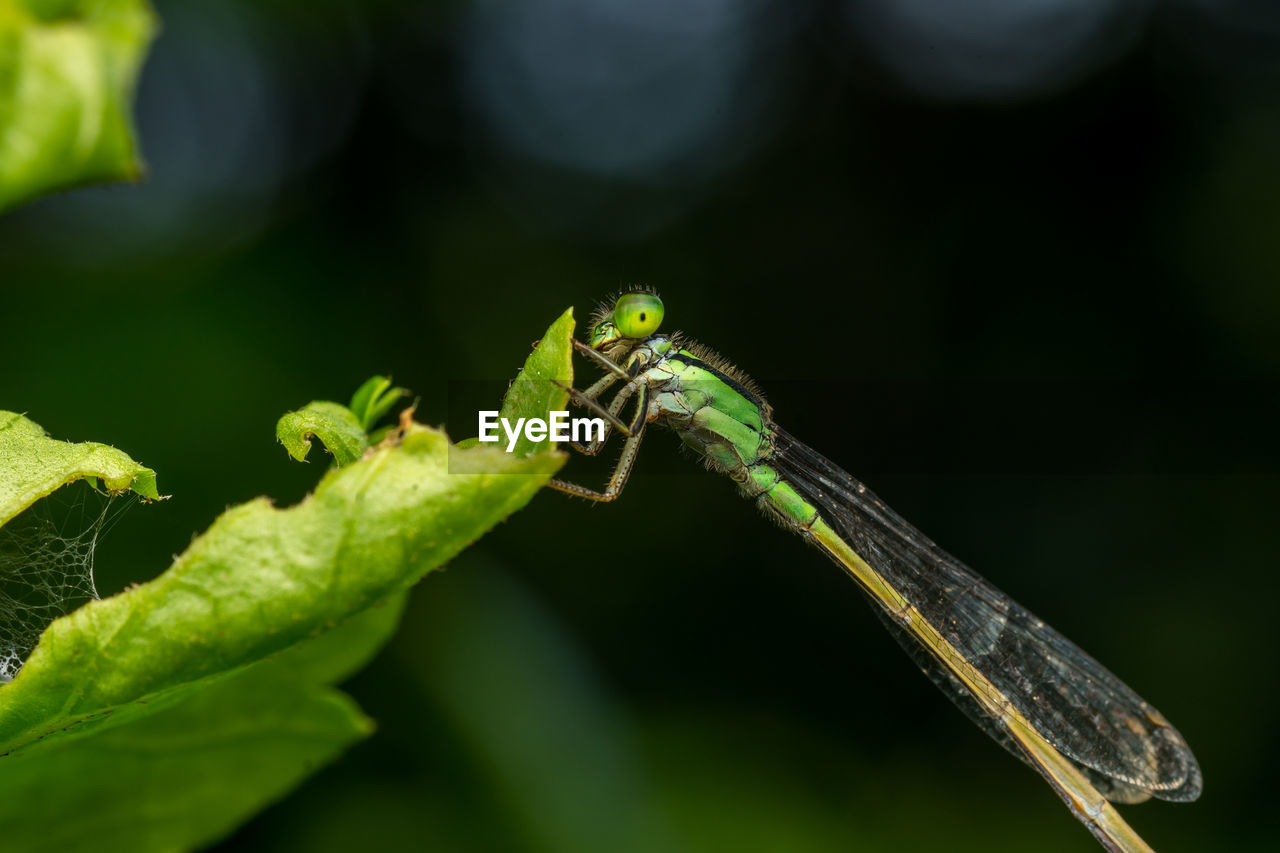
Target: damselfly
{"points": [[1042, 698]]}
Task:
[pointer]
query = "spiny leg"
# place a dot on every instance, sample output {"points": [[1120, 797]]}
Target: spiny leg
{"points": [[613, 372], [592, 406], [615, 409], [598, 387], [616, 482], [593, 392], [622, 471], [604, 363]]}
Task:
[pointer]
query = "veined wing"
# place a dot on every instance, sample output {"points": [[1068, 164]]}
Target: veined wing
{"points": [[1124, 746]]}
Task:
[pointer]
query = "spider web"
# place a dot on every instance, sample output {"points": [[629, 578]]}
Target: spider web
{"points": [[46, 565]]}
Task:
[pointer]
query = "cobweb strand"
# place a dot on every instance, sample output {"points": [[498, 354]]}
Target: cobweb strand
{"points": [[46, 565]]}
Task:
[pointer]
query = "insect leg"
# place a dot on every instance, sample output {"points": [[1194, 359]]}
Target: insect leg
{"points": [[618, 480]]}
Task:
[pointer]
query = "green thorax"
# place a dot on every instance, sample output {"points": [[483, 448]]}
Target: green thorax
{"points": [[712, 407]]}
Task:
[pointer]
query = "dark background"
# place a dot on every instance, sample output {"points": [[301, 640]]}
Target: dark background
{"points": [[1013, 264]]}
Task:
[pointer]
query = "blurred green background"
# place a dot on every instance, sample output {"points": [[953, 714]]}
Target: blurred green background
{"points": [[1013, 264]]}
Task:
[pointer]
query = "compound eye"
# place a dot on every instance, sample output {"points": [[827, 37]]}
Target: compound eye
{"points": [[638, 315]]}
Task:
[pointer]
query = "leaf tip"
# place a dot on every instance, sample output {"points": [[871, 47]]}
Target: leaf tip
{"points": [[144, 483]]}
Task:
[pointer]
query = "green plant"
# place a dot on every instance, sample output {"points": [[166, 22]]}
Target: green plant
{"points": [[67, 76], [162, 717]]}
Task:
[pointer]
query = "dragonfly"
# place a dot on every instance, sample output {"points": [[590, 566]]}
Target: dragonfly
{"points": [[1093, 739]]}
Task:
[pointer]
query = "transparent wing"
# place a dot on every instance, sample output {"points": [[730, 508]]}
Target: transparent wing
{"points": [[1125, 746]]}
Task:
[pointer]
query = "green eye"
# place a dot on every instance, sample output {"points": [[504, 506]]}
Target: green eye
{"points": [[638, 315]]}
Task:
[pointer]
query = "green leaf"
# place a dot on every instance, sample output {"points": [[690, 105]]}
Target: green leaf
{"points": [[32, 465], [335, 425], [192, 772], [261, 579], [532, 391], [532, 394], [162, 717], [68, 69], [374, 399]]}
